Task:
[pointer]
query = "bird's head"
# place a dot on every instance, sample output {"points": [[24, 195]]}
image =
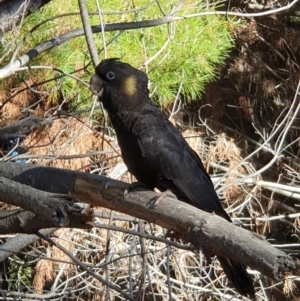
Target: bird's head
{"points": [[119, 86]]}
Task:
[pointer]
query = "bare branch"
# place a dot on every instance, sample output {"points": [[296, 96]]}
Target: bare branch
{"points": [[214, 233], [45, 209], [23, 127], [88, 32], [85, 268], [19, 242]]}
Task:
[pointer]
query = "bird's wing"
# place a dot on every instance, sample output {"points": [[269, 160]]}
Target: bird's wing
{"points": [[177, 166]]}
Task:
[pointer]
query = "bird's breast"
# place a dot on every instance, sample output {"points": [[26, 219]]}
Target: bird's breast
{"points": [[131, 152]]}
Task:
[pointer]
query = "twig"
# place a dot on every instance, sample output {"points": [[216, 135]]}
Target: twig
{"points": [[12, 67], [84, 267], [88, 32]]}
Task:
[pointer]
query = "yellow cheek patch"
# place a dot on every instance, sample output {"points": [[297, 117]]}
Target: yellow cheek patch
{"points": [[130, 86]]}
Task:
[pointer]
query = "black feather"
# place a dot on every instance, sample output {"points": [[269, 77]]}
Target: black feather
{"points": [[156, 153]]}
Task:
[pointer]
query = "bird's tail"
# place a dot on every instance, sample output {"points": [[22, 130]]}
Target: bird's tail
{"points": [[239, 277]]}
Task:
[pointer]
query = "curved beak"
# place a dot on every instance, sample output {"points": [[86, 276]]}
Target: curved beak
{"points": [[96, 85]]}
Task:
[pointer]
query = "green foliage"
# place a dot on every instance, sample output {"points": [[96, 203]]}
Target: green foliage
{"points": [[182, 54], [294, 21], [191, 56], [20, 273], [186, 52]]}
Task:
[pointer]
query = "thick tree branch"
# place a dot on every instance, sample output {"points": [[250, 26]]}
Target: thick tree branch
{"points": [[45, 209], [215, 234], [23, 221]]}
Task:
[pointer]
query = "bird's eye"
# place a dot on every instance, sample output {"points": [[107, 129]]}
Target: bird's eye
{"points": [[110, 75]]}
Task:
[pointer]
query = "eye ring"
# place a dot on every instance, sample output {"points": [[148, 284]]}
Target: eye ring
{"points": [[110, 75]]}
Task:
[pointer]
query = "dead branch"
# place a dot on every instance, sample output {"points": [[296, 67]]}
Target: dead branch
{"points": [[45, 209], [201, 228], [19, 242], [23, 127]]}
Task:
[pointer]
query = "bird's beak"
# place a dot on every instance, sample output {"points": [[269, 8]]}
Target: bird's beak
{"points": [[96, 85]]}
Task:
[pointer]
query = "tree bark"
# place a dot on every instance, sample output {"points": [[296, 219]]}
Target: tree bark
{"points": [[214, 234]]}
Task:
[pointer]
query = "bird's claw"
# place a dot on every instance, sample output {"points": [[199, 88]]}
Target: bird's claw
{"points": [[156, 200], [138, 186]]}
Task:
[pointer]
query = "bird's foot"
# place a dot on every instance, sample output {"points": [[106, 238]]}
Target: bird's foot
{"points": [[137, 186], [167, 193]]}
